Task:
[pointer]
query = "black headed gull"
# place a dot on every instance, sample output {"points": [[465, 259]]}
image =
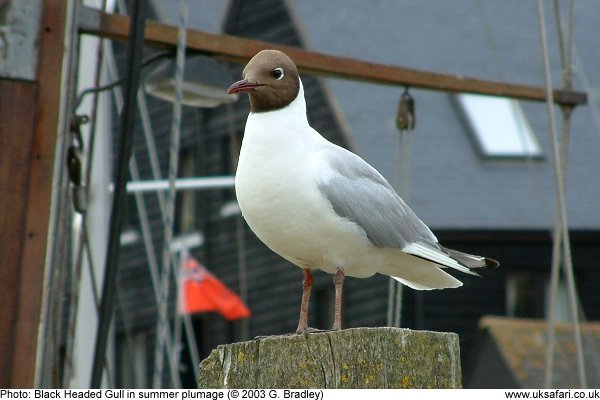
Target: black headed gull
{"points": [[320, 206]]}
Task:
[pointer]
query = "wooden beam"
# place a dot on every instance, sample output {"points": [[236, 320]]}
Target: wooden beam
{"points": [[237, 49]]}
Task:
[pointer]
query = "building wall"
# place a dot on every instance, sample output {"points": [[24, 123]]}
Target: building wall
{"points": [[487, 207]]}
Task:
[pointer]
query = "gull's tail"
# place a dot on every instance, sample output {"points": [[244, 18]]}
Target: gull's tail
{"points": [[472, 261]]}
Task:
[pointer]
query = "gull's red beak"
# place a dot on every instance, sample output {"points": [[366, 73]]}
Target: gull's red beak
{"points": [[242, 86]]}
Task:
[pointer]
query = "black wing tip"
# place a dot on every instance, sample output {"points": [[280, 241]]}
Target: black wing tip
{"points": [[471, 261], [488, 263], [491, 263]]}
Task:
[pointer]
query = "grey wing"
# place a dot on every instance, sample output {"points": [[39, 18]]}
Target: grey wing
{"points": [[359, 193]]}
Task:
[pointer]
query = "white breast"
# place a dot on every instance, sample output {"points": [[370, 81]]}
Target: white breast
{"points": [[276, 187]]}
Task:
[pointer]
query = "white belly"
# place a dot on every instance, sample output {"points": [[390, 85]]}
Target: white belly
{"points": [[285, 209]]}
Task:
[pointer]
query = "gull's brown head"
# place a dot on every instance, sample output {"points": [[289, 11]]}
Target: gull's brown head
{"points": [[271, 80]]}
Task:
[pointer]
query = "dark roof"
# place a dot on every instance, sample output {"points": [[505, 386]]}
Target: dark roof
{"points": [[513, 352]]}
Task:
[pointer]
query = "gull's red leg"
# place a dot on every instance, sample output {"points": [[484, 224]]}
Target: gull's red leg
{"points": [[306, 287], [338, 281]]}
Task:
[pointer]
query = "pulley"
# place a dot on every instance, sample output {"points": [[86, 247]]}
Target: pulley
{"points": [[75, 163], [405, 117]]}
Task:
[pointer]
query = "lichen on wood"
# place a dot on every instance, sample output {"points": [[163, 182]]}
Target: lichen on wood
{"points": [[352, 358]]}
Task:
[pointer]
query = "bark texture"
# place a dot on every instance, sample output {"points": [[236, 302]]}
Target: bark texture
{"points": [[357, 358]]}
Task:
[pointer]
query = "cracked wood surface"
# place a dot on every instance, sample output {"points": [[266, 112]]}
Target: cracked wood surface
{"points": [[352, 358]]}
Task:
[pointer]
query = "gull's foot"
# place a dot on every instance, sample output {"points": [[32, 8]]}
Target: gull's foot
{"points": [[308, 330], [315, 330], [273, 336], [305, 331]]}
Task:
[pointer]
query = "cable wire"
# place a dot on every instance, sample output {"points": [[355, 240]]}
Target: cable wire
{"points": [[97, 89]]}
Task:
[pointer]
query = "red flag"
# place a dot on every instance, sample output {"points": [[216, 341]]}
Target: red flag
{"points": [[201, 291]]}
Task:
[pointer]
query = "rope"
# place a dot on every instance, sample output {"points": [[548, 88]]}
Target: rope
{"points": [[147, 238], [127, 122], [556, 237], [404, 175], [565, 51], [395, 288], [163, 327], [589, 88], [562, 226], [151, 147], [243, 273], [555, 266], [566, 60], [148, 241], [240, 238], [192, 346], [390, 302]]}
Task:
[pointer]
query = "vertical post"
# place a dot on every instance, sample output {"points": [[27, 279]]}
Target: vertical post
{"points": [[131, 84], [16, 106], [30, 122]]}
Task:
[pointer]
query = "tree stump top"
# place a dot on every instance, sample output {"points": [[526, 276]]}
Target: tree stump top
{"points": [[356, 358]]}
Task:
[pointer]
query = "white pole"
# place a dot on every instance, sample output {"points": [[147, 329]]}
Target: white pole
{"points": [[97, 215], [217, 182]]}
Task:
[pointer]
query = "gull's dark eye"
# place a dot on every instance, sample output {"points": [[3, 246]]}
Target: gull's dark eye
{"points": [[277, 73]]}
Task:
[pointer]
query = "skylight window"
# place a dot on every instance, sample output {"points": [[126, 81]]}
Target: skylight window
{"points": [[499, 126]]}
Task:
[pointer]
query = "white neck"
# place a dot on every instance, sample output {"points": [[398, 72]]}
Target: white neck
{"points": [[294, 113]]}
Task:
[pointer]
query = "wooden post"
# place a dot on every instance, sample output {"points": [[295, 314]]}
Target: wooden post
{"points": [[29, 124], [359, 358], [17, 113]]}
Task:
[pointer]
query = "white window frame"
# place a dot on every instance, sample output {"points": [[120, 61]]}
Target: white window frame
{"points": [[499, 126]]}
